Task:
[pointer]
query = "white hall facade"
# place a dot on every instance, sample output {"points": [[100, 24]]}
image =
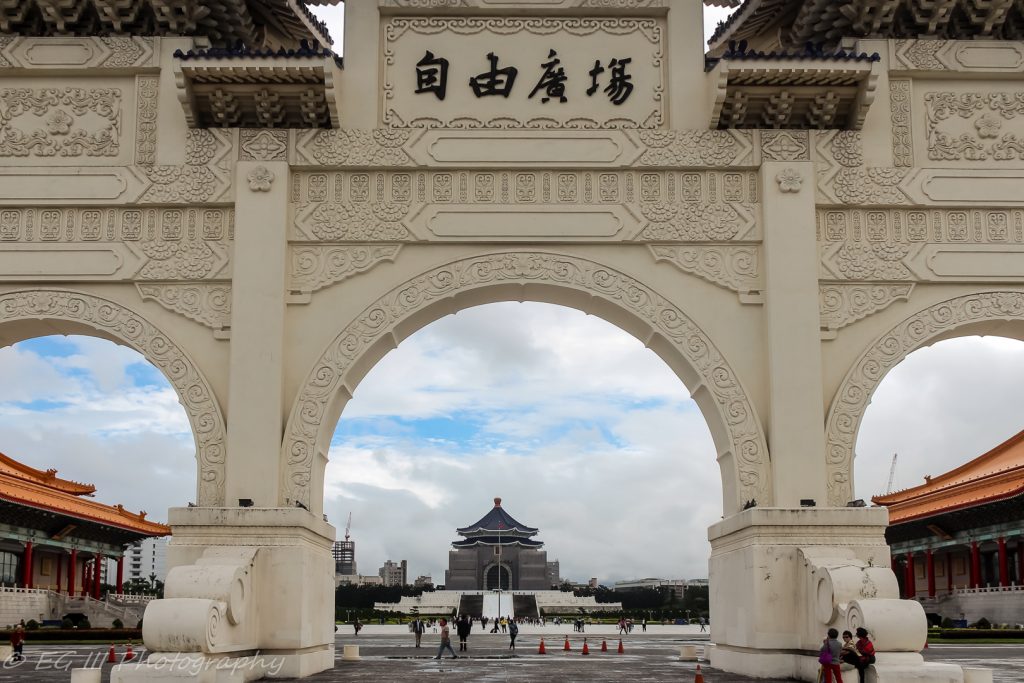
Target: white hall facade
{"points": [[783, 218]]}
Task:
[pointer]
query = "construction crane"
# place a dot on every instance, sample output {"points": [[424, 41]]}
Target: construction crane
{"points": [[888, 489], [348, 526]]}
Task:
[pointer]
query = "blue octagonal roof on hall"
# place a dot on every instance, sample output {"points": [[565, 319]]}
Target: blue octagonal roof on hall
{"points": [[495, 521]]}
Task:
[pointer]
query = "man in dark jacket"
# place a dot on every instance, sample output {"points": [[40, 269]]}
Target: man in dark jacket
{"points": [[463, 627]]}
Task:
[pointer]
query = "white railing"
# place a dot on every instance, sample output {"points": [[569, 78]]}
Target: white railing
{"points": [[130, 598], [23, 591], [1013, 588]]}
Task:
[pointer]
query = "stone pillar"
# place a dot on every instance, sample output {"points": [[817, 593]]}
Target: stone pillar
{"points": [[686, 36], [766, 608], [1004, 564], [72, 568], [120, 575], [264, 575], [796, 438], [975, 565], [60, 570], [255, 395], [930, 568], [26, 570], [360, 89]]}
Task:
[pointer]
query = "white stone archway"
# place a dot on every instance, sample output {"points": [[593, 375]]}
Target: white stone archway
{"points": [[540, 276], [71, 312], [981, 313]]}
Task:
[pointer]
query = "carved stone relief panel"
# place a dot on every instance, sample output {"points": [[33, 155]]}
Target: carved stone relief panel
{"points": [[902, 129], [844, 304], [68, 52], [263, 145], [731, 267], [526, 149], [316, 266], [964, 56], [785, 145], [511, 72], [843, 178], [922, 245], [525, 205], [206, 304], [60, 123], [206, 175], [116, 244], [981, 126]]}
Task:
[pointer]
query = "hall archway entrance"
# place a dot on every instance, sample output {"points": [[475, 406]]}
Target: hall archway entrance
{"points": [[582, 431]]}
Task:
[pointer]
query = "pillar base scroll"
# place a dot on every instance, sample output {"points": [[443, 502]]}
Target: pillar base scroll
{"points": [[250, 595], [782, 577]]}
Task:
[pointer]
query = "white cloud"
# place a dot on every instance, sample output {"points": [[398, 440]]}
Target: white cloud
{"points": [[84, 415], [942, 406]]}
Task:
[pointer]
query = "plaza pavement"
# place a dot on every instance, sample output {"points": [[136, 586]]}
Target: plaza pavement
{"points": [[388, 655]]}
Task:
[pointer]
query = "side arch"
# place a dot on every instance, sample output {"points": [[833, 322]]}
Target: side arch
{"points": [[981, 313], [78, 312], [521, 276]]}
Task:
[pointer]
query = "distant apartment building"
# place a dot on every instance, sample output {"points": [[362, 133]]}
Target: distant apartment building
{"points": [[593, 582], [357, 580], [554, 574], [147, 560], [394, 573], [424, 582]]}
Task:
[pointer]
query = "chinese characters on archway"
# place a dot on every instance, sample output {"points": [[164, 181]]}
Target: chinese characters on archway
{"points": [[611, 78]]}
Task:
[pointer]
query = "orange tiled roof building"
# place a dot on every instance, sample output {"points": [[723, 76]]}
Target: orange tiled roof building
{"points": [[53, 536], [961, 534]]}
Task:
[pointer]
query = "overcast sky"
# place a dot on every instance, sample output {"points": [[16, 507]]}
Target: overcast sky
{"points": [[582, 431]]}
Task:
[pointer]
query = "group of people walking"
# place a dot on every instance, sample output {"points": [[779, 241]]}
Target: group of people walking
{"points": [[463, 626]]}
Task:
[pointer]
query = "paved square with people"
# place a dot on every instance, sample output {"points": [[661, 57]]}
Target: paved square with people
{"points": [[387, 653]]}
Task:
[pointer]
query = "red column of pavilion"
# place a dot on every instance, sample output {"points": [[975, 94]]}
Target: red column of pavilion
{"points": [[975, 565], [26, 577], [71, 572], [97, 572], [930, 567], [949, 573], [911, 579], [1004, 564]]}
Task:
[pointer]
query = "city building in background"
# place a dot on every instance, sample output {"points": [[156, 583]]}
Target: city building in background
{"points": [[957, 540], [394, 573], [147, 560], [426, 582]]}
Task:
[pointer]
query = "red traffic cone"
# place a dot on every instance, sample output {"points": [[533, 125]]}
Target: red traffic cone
{"points": [[586, 648], [567, 648], [699, 678], [542, 650], [111, 656], [604, 646], [621, 649], [128, 654]]}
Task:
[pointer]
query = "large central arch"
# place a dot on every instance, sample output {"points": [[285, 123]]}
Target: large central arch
{"points": [[535, 276], [75, 312], [982, 313]]}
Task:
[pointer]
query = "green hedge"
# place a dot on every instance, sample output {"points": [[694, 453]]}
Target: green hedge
{"points": [[975, 633], [101, 635]]}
